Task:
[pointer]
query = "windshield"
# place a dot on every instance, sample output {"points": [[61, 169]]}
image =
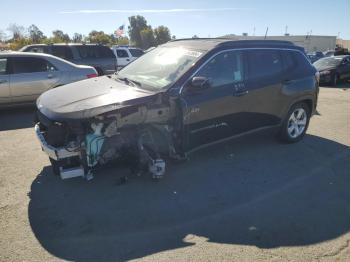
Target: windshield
{"points": [[161, 67], [328, 62]]}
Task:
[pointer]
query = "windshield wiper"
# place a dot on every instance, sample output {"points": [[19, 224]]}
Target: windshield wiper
{"points": [[129, 81]]}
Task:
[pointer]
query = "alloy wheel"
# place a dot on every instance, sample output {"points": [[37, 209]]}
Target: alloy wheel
{"points": [[297, 122]]}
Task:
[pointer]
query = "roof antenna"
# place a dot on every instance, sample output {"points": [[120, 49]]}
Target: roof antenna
{"points": [[267, 29]]}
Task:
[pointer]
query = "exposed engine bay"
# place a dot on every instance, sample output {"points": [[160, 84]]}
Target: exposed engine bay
{"points": [[141, 135]]}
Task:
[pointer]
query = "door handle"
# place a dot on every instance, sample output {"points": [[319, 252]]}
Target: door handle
{"points": [[128, 59], [3, 81], [50, 76], [241, 93]]}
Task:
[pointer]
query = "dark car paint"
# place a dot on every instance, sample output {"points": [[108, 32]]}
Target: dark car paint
{"points": [[266, 104], [207, 115], [342, 71], [103, 66], [85, 101]]}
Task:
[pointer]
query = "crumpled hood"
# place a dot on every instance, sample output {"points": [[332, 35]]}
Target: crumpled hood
{"points": [[88, 98]]}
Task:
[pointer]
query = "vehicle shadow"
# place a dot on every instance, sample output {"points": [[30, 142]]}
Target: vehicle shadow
{"points": [[17, 118], [251, 191]]}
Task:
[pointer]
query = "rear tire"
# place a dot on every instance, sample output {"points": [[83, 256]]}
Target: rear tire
{"points": [[334, 80], [295, 123], [99, 71]]}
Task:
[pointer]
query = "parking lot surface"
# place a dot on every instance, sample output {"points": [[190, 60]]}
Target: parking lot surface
{"points": [[252, 199]]}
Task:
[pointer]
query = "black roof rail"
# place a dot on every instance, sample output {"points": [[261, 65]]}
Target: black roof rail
{"points": [[200, 38], [257, 42], [230, 40]]}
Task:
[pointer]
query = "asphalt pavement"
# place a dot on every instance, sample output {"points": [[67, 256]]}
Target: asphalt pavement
{"points": [[251, 199]]}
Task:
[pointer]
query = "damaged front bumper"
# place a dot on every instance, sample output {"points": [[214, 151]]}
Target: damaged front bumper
{"points": [[55, 153], [90, 149], [60, 153]]}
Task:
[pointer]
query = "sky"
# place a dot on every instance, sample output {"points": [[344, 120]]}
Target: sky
{"points": [[184, 18]]}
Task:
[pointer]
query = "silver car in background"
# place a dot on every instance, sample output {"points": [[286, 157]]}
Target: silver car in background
{"points": [[98, 56], [24, 76]]}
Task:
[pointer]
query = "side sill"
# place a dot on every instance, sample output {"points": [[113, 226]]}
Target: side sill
{"points": [[231, 137]]}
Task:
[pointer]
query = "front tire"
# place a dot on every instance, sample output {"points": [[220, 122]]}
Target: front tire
{"points": [[295, 123], [55, 167]]}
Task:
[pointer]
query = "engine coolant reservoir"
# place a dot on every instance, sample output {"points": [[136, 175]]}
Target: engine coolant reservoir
{"points": [[93, 143]]}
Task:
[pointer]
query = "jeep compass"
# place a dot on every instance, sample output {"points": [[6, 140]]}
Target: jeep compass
{"points": [[180, 96]]}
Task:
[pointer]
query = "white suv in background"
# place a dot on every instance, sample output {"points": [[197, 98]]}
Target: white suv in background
{"points": [[126, 54]]}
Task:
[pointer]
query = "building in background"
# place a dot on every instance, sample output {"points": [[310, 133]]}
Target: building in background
{"points": [[343, 43], [311, 43], [4, 46]]}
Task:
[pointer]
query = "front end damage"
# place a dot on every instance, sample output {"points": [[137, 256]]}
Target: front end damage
{"points": [[142, 135]]}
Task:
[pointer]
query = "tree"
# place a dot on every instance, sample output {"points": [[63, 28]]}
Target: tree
{"points": [[59, 37], [162, 34], [35, 34], [137, 24], [77, 38], [17, 31], [19, 43], [122, 40], [147, 38], [195, 36], [173, 37], [99, 37], [2, 36]]}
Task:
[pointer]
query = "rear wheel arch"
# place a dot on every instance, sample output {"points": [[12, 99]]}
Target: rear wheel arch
{"points": [[308, 102]]}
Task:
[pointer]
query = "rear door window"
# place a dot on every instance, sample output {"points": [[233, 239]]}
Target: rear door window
{"points": [[22, 65], [3, 66], [264, 63], [62, 51]]}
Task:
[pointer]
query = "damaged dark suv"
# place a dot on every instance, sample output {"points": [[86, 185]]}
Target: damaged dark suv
{"points": [[177, 98]]}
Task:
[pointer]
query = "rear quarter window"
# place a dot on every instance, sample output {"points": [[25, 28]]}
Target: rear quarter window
{"points": [[264, 63], [296, 64]]}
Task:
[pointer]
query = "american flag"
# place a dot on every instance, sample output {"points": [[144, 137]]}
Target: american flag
{"points": [[120, 31]]}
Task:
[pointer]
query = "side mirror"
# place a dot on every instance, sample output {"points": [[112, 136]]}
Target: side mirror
{"points": [[200, 82]]}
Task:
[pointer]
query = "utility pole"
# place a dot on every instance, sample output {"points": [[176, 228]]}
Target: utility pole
{"points": [[254, 31]]}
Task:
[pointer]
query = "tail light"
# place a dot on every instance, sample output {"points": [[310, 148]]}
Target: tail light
{"points": [[91, 75]]}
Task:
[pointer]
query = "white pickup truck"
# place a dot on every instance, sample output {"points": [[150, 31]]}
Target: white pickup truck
{"points": [[126, 54]]}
